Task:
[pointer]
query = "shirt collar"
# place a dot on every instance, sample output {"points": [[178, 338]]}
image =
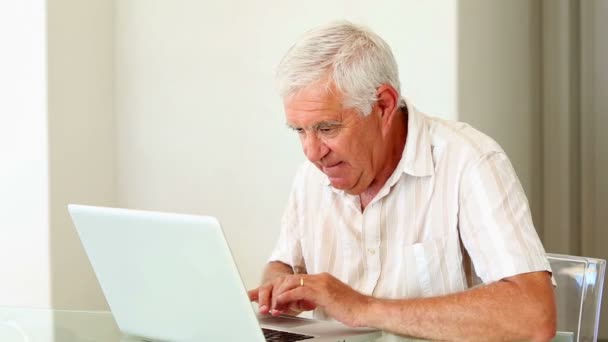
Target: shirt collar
{"points": [[418, 154], [417, 158]]}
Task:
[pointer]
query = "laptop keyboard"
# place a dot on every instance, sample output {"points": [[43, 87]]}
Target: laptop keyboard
{"points": [[283, 336]]}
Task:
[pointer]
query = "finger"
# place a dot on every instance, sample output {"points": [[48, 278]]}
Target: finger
{"points": [[274, 312], [253, 295], [264, 294], [285, 284], [300, 306], [280, 284], [278, 288], [304, 305], [300, 293]]}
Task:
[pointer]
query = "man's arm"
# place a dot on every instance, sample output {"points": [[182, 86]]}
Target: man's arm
{"points": [[517, 308]]}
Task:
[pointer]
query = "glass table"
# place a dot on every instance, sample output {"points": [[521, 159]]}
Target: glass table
{"points": [[44, 325], [40, 325]]}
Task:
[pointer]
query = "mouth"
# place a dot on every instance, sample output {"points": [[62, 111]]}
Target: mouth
{"points": [[332, 168]]}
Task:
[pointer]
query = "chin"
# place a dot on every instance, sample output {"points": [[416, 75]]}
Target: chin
{"points": [[339, 184], [344, 186]]}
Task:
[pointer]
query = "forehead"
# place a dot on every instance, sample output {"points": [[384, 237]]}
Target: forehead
{"points": [[312, 105]]}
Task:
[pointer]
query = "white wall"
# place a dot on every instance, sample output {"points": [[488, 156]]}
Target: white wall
{"points": [[200, 128], [81, 126], [56, 146], [24, 195]]}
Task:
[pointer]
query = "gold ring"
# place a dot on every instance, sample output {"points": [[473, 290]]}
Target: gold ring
{"points": [[301, 281]]}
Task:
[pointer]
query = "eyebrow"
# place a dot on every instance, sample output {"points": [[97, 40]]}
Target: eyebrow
{"points": [[327, 124], [322, 124]]}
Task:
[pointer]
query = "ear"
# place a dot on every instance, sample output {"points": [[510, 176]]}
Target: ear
{"points": [[387, 104]]}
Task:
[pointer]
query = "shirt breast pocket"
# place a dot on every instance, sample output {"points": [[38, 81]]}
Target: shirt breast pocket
{"points": [[435, 267]]}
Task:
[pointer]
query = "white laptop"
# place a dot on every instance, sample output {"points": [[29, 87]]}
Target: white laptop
{"points": [[172, 277]]}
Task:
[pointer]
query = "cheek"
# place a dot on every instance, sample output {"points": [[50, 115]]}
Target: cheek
{"points": [[361, 155], [338, 148], [353, 148], [345, 152]]}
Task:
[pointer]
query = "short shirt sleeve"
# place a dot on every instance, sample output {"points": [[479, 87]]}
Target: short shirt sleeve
{"points": [[495, 222]]}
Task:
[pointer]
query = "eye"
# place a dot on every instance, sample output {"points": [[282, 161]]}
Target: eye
{"points": [[298, 130], [329, 130]]}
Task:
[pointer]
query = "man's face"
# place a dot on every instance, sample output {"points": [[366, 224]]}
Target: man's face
{"points": [[340, 142]]}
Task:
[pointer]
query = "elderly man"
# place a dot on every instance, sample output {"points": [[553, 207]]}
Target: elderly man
{"points": [[411, 224]]}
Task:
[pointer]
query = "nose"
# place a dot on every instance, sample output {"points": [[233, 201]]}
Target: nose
{"points": [[314, 148]]}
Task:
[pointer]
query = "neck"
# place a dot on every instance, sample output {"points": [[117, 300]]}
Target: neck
{"points": [[395, 143]]}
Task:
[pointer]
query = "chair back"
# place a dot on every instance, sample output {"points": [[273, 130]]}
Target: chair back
{"points": [[578, 295]]}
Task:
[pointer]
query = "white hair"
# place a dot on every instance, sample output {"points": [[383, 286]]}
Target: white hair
{"points": [[351, 57]]}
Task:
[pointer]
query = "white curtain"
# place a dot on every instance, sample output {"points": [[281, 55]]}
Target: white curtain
{"points": [[574, 130]]}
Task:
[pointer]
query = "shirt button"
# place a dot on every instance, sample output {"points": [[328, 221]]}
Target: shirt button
{"points": [[371, 251]]}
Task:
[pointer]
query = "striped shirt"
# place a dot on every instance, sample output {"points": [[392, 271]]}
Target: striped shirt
{"points": [[452, 215]]}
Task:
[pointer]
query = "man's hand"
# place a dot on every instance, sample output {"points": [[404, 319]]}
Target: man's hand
{"points": [[274, 275], [338, 300], [265, 296], [291, 294]]}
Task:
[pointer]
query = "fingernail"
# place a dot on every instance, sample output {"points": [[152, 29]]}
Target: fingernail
{"points": [[263, 308]]}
